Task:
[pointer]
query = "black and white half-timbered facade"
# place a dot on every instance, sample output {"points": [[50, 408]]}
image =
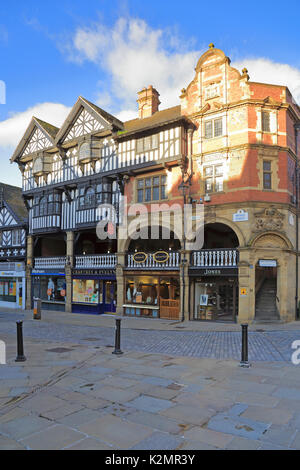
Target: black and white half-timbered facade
{"points": [[68, 173], [13, 231]]}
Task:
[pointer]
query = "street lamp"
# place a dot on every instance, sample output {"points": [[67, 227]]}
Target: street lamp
{"points": [[184, 187]]}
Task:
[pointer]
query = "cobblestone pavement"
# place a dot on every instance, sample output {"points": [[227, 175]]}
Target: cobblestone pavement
{"points": [[263, 345], [78, 396]]}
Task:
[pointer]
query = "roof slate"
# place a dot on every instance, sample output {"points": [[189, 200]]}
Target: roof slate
{"points": [[12, 195]]}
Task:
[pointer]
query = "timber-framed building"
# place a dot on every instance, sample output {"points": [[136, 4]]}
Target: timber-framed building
{"points": [[231, 146]]}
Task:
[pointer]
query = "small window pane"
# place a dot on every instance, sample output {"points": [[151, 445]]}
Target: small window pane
{"points": [[208, 171], [267, 166], [267, 180], [156, 193], [163, 193], [147, 143], [208, 129], [218, 127], [265, 121], [155, 141], [140, 145], [140, 195], [156, 181], [148, 182], [219, 184], [148, 194], [219, 170], [209, 184], [140, 183]]}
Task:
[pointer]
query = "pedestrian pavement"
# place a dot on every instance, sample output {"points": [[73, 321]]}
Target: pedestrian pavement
{"points": [[71, 395], [208, 340]]}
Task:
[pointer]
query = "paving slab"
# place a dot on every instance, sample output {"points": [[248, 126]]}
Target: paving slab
{"points": [[268, 415], [24, 426], [188, 414], [238, 426], [115, 431], [208, 436], [159, 441], [151, 404], [55, 437]]}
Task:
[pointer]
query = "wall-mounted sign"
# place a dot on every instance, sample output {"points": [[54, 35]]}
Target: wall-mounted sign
{"points": [[267, 263], [161, 256], [243, 291], [140, 257], [240, 216]]}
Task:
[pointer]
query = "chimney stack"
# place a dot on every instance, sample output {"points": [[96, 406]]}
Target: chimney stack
{"points": [[148, 100]]}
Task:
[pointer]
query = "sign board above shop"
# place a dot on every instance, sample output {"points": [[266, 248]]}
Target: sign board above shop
{"points": [[267, 263]]}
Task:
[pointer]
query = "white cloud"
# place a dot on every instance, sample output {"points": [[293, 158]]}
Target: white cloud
{"points": [[13, 128], [135, 55], [266, 71]]}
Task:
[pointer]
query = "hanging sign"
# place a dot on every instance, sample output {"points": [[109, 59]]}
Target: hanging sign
{"points": [[161, 256], [140, 257]]}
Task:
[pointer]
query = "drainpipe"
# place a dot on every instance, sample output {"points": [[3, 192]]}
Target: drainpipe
{"points": [[297, 126]]}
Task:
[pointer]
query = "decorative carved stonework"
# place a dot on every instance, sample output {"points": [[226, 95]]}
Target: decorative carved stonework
{"points": [[270, 241], [268, 219]]}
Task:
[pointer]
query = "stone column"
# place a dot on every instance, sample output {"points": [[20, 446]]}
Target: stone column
{"points": [[28, 270], [68, 270], [120, 283]]}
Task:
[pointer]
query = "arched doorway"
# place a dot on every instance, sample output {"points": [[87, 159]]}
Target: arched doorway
{"points": [[214, 274]]}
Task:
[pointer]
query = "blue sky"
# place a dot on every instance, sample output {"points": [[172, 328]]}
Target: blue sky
{"points": [[53, 51]]}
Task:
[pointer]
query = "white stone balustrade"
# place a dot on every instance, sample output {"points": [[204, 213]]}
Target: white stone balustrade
{"points": [[172, 262], [225, 257]]}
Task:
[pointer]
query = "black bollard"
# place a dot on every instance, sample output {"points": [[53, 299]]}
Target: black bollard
{"points": [[244, 359], [118, 338], [20, 356]]}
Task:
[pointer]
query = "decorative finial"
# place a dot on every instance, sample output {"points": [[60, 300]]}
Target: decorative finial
{"points": [[211, 45], [245, 73]]}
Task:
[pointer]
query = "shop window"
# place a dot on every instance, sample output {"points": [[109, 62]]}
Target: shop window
{"points": [[87, 291], [152, 188], [149, 290], [213, 128], [8, 290], [147, 143], [51, 289], [213, 176], [265, 121], [267, 175]]}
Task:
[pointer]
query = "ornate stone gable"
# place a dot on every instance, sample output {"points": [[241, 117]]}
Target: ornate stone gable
{"points": [[268, 219]]}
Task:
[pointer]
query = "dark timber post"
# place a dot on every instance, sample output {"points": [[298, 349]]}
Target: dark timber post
{"points": [[118, 337], [20, 356], [244, 359]]}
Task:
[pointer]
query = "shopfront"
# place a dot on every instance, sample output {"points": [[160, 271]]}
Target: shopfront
{"points": [[94, 291], [12, 285], [214, 294], [50, 287], [152, 294]]}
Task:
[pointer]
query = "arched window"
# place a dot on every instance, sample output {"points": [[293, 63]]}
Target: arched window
{"points": [[43, 206], [90, 197]]}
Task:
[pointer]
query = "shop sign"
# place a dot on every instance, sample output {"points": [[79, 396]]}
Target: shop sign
{"points": [[161, 257], [267, 263], [240, 216], [140, 257], [243, 291], [93, 272]]}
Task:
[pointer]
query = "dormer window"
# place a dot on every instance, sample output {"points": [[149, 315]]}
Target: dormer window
{"points": [[42, 166]]}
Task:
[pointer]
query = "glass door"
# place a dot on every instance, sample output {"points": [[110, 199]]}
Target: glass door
{"points": [[110, 296]]}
